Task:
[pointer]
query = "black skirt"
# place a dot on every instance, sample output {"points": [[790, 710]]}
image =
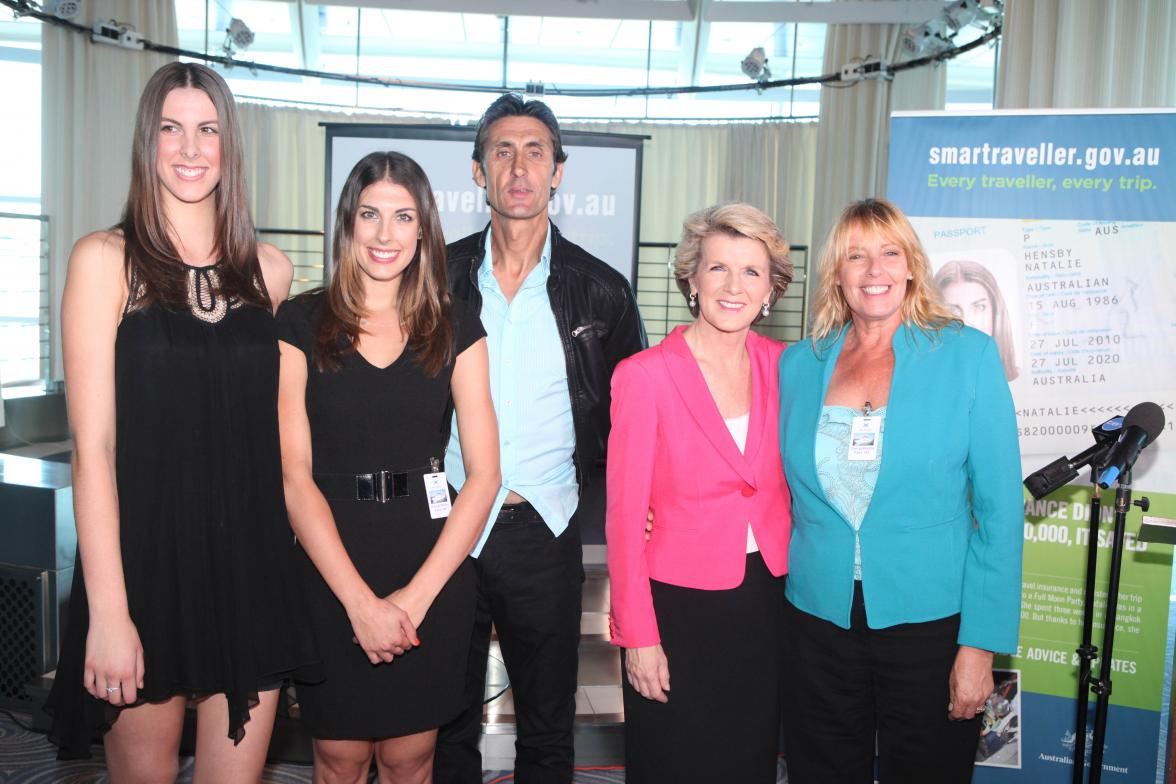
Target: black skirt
{"points": [[722, 721]]}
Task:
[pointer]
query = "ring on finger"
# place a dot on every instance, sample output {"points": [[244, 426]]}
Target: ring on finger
{"points": [[112, 689]]}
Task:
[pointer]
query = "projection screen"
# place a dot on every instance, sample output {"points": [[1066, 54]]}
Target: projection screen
{"points": [[596, 206]]}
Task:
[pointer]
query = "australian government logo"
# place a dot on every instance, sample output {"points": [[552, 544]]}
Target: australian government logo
{"points": [[1067, 742]]}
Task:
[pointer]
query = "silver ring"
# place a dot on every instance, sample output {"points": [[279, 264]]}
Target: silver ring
{"points": [[112, 689], [980, 709]]}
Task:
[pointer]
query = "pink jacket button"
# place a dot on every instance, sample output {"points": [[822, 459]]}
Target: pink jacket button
{"points": [[748, 491]]}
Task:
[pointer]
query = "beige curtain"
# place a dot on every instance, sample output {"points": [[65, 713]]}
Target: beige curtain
{"points": [[687, 167], [854, 128], [285, 159], [89, 93], [1087, 53]]}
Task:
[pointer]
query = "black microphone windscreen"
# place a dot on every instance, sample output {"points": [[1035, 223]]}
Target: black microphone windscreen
{"points": [[1149, 417]]}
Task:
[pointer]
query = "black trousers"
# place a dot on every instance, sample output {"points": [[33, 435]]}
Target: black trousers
{"points": [[530, 585], [841, 686]]}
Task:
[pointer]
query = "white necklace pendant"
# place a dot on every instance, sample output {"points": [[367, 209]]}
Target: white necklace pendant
{"points": [[203, 298]]}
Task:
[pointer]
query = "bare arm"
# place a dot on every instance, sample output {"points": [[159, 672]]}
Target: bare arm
{"points": [[277, 271], [95, 290], [381, 628], [477, 427]]}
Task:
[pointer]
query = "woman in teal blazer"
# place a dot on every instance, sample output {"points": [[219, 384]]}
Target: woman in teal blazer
{"points": [[899, 440]]}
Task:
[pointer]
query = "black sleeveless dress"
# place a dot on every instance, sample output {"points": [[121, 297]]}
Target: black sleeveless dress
{"points": [[365, 419], [208, 553]]}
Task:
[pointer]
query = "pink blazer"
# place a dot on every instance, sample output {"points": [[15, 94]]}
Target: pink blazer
{"points": [[670, 450]]}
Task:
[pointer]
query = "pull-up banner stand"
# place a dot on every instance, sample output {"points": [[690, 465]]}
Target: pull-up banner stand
{"points": [[1055, 232]]}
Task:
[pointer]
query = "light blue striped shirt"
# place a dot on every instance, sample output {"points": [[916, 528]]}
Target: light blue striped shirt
{"points": [[529, 387]]}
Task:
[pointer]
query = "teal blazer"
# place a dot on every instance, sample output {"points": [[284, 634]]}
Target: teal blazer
{"points": [[944, 530]]}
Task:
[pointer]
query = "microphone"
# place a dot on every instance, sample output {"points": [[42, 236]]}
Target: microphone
{"points": [[1062, 470], [1141, 426]]}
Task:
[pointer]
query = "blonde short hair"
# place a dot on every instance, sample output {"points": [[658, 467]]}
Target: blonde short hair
{"points": [[739, 220], [922, 306]]}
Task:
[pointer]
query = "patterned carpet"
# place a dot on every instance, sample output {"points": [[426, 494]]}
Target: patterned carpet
{"points": [[27, 758]]}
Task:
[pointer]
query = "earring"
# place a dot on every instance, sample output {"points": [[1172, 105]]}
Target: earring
{"points": [[420, 234], [692, 300], [764, 310], [910, 277]]}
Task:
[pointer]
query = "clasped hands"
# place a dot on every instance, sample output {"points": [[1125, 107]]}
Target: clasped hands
{"points": [[386, 627]]}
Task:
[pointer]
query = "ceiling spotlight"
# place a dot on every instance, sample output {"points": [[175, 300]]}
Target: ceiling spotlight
{"points": [[938, 35], [62, 9], [929, 38], [755, 65], [919, 42], [238, 37], [961, 13]]}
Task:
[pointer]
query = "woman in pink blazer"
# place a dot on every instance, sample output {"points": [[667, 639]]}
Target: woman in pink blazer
{"points": [[699, 602]]}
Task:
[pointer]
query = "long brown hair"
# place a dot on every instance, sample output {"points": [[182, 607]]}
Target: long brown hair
{"points": [[922, 306], [423, 293], [1002, 329], [151, 259]]}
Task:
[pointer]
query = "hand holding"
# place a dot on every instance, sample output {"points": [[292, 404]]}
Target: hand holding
{"points": [[417, 608]]}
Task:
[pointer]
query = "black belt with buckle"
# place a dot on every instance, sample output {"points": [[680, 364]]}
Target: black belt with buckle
{"points": [[379, 486]]}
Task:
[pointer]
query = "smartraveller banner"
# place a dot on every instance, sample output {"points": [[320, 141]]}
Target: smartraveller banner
{"points": [[1055, 232]]}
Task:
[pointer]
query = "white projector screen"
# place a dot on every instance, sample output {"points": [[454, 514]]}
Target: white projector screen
{"points": [[597, 204]]}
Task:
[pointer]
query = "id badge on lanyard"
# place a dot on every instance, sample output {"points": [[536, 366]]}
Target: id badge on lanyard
{"points": [[865, 436], [437, 491]]}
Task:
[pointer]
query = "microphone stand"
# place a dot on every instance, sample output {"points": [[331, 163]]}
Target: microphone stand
{"points": [[1102, 686], [1087, 653]]}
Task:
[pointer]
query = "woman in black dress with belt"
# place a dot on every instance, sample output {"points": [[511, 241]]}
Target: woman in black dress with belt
{"points": [[371, 367], [186, 587]]}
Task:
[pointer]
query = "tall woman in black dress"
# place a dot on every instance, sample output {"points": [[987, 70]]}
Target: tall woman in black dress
{"points": [[186, 587], [370, 369]]}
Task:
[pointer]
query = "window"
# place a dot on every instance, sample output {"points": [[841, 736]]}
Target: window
{"points": [[971, 79], [484, 49], [24, 259], [20, 133], [560, 52]]}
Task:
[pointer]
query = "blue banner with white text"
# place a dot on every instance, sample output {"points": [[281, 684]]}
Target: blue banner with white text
{"points": [[1105, 167]]}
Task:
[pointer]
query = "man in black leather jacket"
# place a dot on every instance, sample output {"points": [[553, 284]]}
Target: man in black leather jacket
{"points": [[558, 320]]}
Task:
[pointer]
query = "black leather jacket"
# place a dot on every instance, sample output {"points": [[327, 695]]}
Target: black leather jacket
{"points": [[596, 315]]}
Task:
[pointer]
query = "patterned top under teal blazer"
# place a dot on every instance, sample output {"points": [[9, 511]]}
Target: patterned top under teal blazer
{"points": [[943, 531]]}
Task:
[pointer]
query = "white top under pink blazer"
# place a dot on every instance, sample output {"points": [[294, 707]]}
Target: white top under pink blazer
{"points": [[670, 451]]}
